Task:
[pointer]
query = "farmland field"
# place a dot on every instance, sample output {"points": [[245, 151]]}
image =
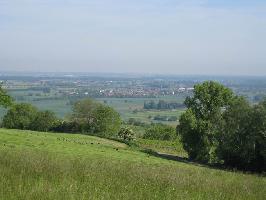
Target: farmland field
{"points": [[127, 107], [125, 94], [133, 108], [35, 165]]}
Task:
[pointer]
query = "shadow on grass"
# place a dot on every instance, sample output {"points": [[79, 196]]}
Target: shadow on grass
{"points": [[168, 156], [195, 163]]}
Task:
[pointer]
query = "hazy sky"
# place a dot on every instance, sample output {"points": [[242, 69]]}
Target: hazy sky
{"points": [[143, 36]]}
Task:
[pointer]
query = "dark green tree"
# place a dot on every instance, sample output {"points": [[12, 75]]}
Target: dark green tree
{"points": [[258, 145], [233, 139], [43, 121], [242, 140], [20, 116]]}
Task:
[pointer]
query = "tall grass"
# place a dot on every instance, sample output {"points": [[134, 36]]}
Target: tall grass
{"points": [[38, 172]]}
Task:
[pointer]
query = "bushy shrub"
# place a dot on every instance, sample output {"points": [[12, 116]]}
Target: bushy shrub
{"points": [[66, 127], [20, 116], [43, 121], [26, 116], [126, 134], [160, 132]]}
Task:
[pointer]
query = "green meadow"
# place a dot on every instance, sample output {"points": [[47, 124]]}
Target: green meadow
{"points": [[127, 107], [35, 165], [133, 108]]}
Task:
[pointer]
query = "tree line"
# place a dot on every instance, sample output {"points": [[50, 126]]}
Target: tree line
{"points": [[162, 105], [87, 117]]}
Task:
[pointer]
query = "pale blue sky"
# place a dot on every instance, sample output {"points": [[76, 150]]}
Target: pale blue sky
{"points": [[140, 36]]}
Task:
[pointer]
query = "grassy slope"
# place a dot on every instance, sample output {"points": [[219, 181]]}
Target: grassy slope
{"points": [[63, 166], [168, 147]]}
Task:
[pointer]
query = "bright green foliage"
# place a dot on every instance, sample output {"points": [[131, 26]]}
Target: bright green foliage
{"points": [[208, 100], [160, 132], [5, 99], [20, 116], [200, 123], [126, 134], [43, 121], [96, 118]]}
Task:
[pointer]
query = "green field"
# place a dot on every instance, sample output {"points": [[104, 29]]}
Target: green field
{"points": [[133, 108], [127, 107], [36, 165]]}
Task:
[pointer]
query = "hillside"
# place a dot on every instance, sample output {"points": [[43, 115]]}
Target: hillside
{"points": [[35, 165]]}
